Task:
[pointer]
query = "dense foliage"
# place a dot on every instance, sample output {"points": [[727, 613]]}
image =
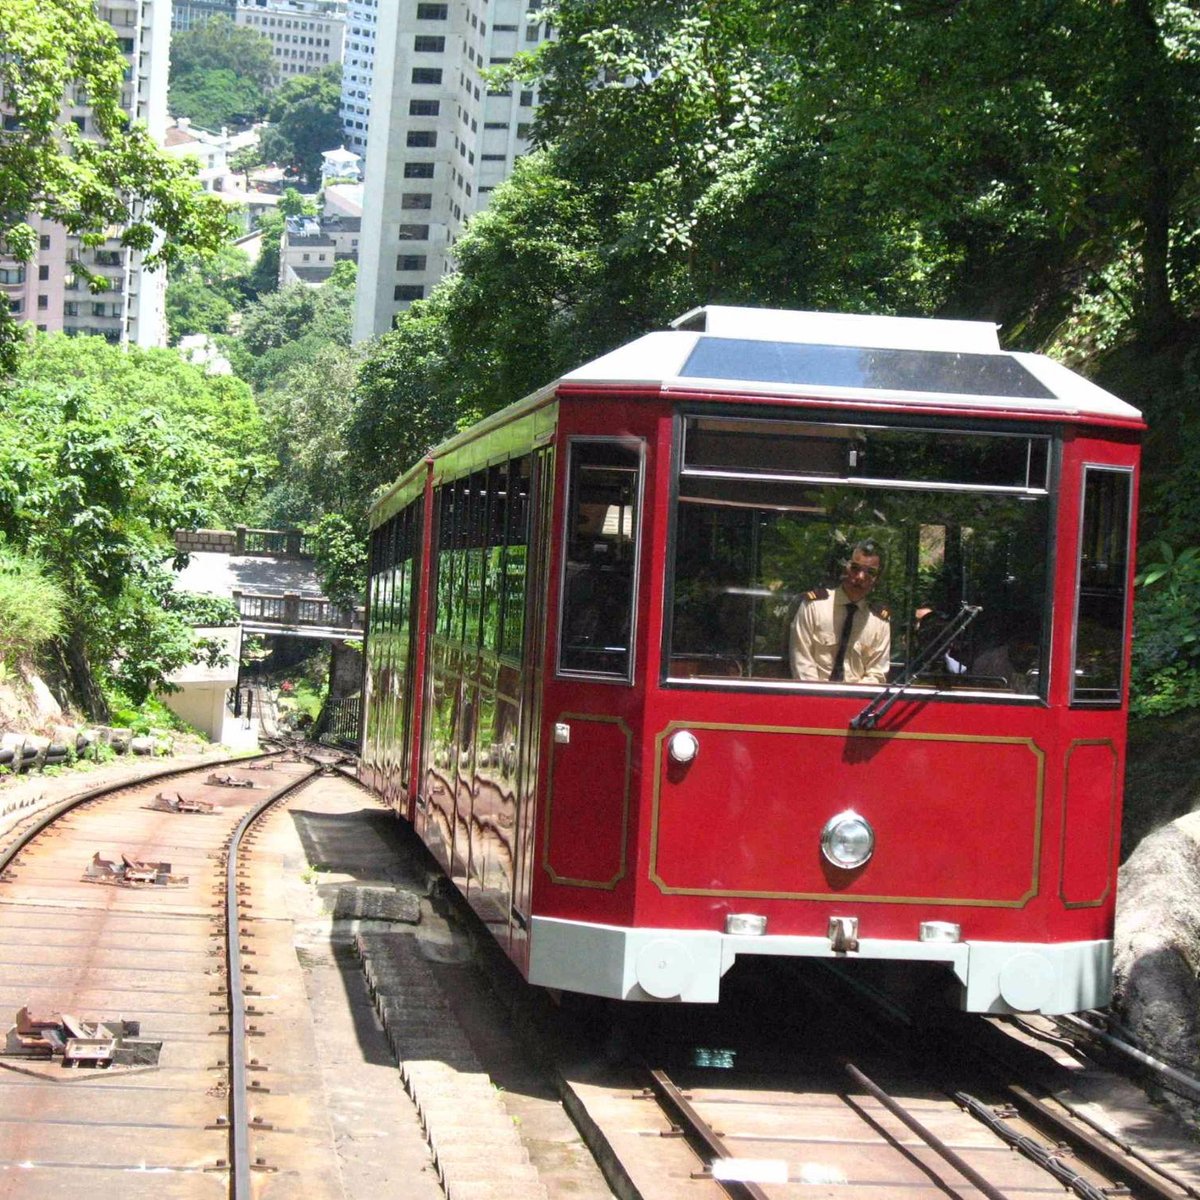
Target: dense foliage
{"points": [[305, 114], [110, 174], [103, 454], [220, 74]]}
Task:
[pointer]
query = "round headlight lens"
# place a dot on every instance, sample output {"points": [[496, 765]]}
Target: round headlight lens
{"points": [[847, 840], [683, 746]]}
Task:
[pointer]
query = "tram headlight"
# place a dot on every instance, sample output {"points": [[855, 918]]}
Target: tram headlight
{"points": [[847, 840], [683, 746]]}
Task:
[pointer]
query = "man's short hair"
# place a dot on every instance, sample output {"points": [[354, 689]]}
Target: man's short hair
{"points": [[868, 548]]}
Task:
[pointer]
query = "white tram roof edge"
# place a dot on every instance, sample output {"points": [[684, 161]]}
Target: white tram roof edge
{"points": [[729, 350]]}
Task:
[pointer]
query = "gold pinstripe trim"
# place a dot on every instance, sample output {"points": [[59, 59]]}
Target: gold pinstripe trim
{"points": [[610, 884], [1112, 824], [669, 890]]}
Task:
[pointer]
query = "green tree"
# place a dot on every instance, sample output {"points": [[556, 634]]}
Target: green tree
{"points": [[264, 276], [114, 175], [308, 407], [292, 204], [305, 115], [32, 607], [216, 413], [203, 293], [219, 44], [216, 98], [288, 327], [95, 479], [220, 72]]}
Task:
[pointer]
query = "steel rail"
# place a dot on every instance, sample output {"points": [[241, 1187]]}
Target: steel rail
{"points": [[1170, 1077], [1112, 1153], [931, 1139], [52, 813], [699, 1134], [239, 1119]]}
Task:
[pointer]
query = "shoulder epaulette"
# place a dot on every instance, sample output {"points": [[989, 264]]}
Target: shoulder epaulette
{"points": [[818, 593], [882, 611]]}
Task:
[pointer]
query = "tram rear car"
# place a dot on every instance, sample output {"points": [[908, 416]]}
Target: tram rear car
{"points": [[580, 686]]}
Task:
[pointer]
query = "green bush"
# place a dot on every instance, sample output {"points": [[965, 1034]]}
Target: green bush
{"points": [[1165, 666], [32, 606]]}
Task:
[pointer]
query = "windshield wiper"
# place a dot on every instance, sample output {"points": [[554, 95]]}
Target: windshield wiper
{"points": [[879, 705]]}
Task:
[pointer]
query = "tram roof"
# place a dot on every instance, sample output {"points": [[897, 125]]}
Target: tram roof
{"points": [[907, 361]]}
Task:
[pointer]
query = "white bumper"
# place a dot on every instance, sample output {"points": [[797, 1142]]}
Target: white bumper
{"points": [[687, 965]]}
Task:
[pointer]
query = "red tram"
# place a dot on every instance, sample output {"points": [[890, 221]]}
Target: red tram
{"points": [[582, 686]]}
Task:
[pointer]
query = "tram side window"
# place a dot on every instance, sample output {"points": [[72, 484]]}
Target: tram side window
{"points": [[770, 510], [600, 559], [1100, 615]]}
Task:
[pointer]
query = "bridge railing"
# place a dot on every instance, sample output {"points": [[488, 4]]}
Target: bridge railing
{"points": [[290, 608], [243, 540]]}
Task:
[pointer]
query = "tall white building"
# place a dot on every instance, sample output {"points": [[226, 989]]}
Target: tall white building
{"points": [[439, 142], [306, 35], [358, 66], [46, 291]]}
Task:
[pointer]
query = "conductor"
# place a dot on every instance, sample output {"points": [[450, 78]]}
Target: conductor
{"points": [[837, 637]]}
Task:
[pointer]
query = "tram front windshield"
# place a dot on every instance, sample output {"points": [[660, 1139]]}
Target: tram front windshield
{"points": [[769, 510]]}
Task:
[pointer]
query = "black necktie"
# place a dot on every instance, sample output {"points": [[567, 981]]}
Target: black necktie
{"points": [[839, 659]]}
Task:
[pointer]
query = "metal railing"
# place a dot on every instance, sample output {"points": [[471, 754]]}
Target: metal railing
{"points": [[341, 722], [292, 609], [276, 543]]}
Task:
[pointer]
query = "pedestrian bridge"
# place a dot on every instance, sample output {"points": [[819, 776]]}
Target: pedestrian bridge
{"points": [[269, 575], [297, 615]]}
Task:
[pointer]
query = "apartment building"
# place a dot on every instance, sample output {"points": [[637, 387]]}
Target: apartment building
{"points": [[306, 35], [187, 14], [358, 65], [46, 291], [440, 141]]}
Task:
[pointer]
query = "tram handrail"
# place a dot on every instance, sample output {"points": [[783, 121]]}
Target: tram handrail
{"points": [[879, 705]]}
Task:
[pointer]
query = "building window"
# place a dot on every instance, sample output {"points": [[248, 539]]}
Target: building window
{"points": [[410, 262], [422, 138], [413, 200], [527, 99], [414, 233], [427, 75], [44, 241], [44, 271], [432, 12], [408, 291], [428, 44], [491, 157], [43, 302], [424, 108], [16, 306], [524, 129], [418, 170]]}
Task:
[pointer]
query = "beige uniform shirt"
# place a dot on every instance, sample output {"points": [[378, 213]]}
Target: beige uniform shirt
{"points": [[817, 630]]}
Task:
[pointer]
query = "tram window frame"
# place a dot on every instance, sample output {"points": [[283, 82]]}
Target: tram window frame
{"points": [[748, 489], [1104, 521], [577, 447]]}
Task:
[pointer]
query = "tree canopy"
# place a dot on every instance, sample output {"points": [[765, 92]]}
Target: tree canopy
{"points": [[220, 73], [305, 115], [103, 454], [111, 175]]}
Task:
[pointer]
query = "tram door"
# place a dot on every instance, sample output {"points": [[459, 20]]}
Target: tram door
{"points": [[533, 660]]}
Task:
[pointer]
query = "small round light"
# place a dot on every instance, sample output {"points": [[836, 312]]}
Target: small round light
{"points": [[683, 746], [847, 840]]}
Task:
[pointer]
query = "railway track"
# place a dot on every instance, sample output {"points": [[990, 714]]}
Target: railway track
{"points": [[154, 1045], [822, 1094]]}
